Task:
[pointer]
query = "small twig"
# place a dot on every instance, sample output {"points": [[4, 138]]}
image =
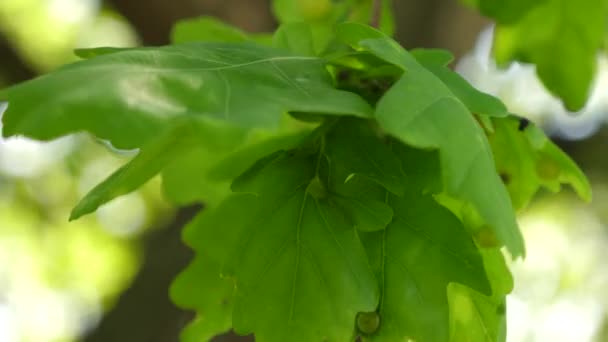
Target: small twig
{"points": [[376, 13]]}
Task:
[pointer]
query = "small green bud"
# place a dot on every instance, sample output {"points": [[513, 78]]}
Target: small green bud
{"points": [[368, 322]]}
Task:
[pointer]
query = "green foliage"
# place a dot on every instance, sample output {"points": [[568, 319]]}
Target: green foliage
{"points": [[352, 187], [561, 37]]}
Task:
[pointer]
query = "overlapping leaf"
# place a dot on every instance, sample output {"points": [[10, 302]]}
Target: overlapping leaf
{"points": [[476, 101], [415, 258], [172, 99], [421, 111], [202, 286], [478, 317], [322, 16], [301, 272]]}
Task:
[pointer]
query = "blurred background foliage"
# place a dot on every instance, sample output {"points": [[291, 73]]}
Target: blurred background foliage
{"points": [[105, 277]]}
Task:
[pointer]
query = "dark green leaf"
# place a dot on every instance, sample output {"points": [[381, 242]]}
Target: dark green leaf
{"points": [[353, 148], [302, 274], [416, 257], [367, 213]]}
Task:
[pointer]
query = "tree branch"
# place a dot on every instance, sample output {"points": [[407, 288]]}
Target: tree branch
{"points": [[376, 13], [14, 69]]}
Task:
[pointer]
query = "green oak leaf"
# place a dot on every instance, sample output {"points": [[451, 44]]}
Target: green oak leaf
{"points": [[295, 37], [301, 271], [205, 29], [421, 111], [201, 286], [527, 160], [551, 34], [136, 91], [476, 101], [415, 258]]}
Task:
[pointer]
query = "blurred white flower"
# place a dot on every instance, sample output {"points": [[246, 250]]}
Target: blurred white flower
{"points": [[26, 158], [524, 94]]}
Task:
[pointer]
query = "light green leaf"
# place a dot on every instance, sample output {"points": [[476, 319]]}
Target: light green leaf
{"points": [[202, 286], [203, 173], [420, 110], [94, 52], [438, 57], [476, 101], [416, 257], [183, 135], [527, 160], [475, 317], [504, 11], [302, 273], [551, 34], [295, 37], [205, 29], [136, 91]]}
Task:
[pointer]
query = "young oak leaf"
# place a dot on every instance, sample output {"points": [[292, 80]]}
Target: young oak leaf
{"points": [[127, 96], [527, 160], [478, 317], [475, 317], [301, 271], [415, 258], [420, 110]]}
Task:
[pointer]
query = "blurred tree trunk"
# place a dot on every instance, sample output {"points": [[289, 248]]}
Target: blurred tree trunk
{"points": [[153, 19], [14, 69], [144, 312]]}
